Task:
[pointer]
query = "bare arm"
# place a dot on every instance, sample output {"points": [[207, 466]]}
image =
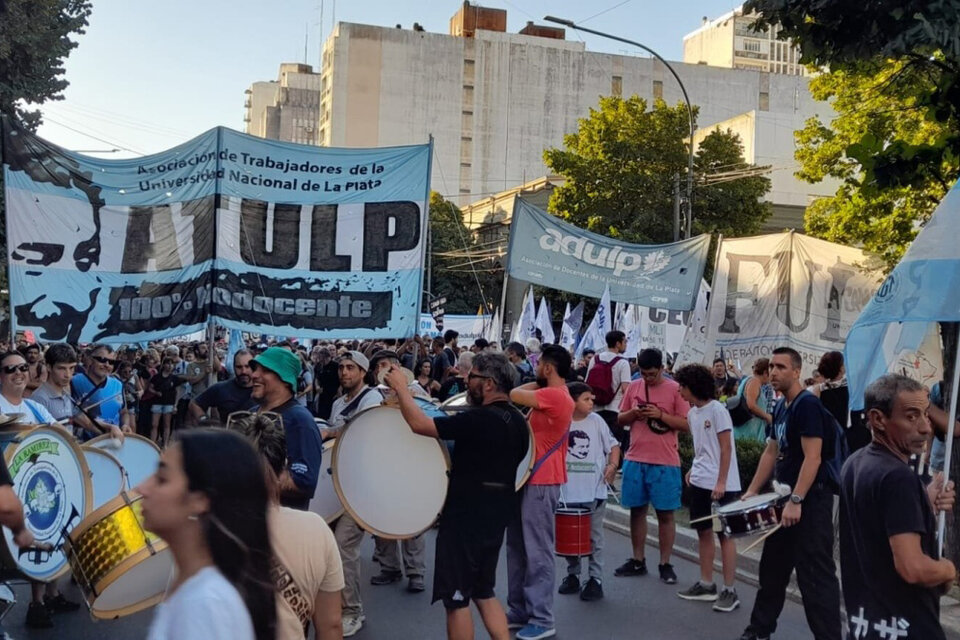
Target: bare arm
{"points": [[677, 423], [726, 452], [915, 567], [752, 393], [326, 616], [764, 469], [526, 395], [420, 423], [938, 418]]}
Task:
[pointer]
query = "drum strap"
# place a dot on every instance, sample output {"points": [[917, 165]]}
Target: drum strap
{"points": [[291, 592], [350, 408], [543, 458]]}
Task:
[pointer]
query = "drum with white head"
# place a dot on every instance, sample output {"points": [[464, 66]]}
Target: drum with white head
{"points": [[326, 502], [52, 480], [106, 474], [137, 455], [391, 480]]}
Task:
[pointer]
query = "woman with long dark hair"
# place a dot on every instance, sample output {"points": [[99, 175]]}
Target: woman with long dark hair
{"points": [[208, 501]]}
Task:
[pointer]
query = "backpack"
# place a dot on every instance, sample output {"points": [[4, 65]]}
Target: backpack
{"points": [[600, 380], [739, 413], [835, 449]]}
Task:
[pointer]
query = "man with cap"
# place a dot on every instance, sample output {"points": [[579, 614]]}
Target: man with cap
{"points": [[274, 376], [357, 396], [387, 552]]}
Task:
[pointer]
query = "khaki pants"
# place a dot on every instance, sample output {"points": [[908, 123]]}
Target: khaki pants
{"points": [[414, 552], [349, 535]]}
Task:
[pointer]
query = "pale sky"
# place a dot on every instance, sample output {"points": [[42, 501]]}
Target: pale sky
{"points": [[150, 75]]}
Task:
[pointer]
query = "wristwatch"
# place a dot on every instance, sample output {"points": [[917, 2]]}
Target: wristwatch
{"points": [[795, 499]]}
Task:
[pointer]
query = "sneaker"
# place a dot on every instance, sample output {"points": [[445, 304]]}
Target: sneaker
{"points": [[728, 601], [386, 577], [753, 635], [591, 591], [351, 624], [666, 573], [535, 632], [570, 584], [59, 604], [631, 568], [38, 616], [415, 584], [699, 592]]}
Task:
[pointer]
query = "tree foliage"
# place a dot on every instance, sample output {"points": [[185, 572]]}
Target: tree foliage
{"points": [[878, 104], [620, 165], [920, 35], [452, 276], [34, 43]]}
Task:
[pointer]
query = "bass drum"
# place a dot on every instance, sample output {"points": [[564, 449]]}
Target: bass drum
{"points": [[52, 479], [139, 456], [106, 475], [391, 480], [326, 501]]}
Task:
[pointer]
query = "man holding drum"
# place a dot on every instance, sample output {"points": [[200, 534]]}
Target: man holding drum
{"points": [[531, 537], [805, 541], [491, 440]]}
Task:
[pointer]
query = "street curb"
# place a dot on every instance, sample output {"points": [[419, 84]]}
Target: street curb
{"points": [[617, 519]]}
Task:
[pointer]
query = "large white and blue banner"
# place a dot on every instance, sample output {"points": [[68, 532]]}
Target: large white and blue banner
{"points": [[549, 252], [255, 235]]}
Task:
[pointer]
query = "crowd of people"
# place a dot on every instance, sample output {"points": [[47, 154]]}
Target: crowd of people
{"points": [[253, 562]]}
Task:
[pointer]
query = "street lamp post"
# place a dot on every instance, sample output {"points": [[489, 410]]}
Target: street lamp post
{"points": [[683, 89]]}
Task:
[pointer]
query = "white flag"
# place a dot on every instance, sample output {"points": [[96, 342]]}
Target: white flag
{"points": [[543, 323], [493, 333], [527, 322], [572, 321], [596, 335], [619, 316], [632, 327]]}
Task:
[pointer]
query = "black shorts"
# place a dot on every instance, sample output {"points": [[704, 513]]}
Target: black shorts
{"points": [[701, 505], [466, 563]]}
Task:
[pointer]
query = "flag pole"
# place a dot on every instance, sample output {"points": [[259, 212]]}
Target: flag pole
{"points": [[951, 428]]}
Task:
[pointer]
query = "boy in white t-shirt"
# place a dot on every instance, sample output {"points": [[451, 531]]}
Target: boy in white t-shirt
{"points": [[592, 458], [713, 478]]}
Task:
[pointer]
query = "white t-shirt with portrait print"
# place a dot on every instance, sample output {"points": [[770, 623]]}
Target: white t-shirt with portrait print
{"points": [[589, 443], [706, 423]]}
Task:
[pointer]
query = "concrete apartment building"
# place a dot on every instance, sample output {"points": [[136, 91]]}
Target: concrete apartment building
{"points": [[493, 101], [287, 109], [729, 42]]}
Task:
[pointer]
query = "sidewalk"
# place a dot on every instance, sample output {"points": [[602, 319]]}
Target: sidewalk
{"points": [[618, 519]]}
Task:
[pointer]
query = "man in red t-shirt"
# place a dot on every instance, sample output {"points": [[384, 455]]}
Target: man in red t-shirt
{"points": [[530, 538], [655, 411]]}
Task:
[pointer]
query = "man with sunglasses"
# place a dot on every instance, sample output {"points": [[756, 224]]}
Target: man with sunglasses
{"points": [[99, 393], [274, 376]]}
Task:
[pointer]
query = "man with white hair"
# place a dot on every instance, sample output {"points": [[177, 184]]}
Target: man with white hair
{"points": [[533, 351], [457, 383]]}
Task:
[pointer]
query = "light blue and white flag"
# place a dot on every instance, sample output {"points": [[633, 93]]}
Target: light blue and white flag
{"points": [[923, 289], [572, 321], [527, 322], [547, 336], [596, 333], [236, 344]]}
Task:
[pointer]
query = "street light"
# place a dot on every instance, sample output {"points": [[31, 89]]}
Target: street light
{"points": [[689, 217]]}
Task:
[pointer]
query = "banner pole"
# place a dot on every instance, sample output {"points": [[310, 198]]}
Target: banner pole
{"points": [[6, 229], [951, 428]]}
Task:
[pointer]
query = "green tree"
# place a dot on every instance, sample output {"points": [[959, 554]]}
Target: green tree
{"points": [[620, 167], [878, 104], [453, 249], [920, 35]]}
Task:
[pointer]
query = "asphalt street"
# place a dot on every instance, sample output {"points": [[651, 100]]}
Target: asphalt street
{"points": [[640, 607]]}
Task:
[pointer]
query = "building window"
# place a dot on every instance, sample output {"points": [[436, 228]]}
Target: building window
{"points": [[658, 89], [751, 45], [616, 86], [764, 101]]}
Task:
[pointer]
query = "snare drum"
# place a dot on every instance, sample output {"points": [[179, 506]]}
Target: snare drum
{"points": [[120, 567], [106, 474], [52, 480], [326, 502], [392, 481], [753, 515], [137, 455]]}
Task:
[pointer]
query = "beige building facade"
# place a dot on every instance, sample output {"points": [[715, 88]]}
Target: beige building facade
{"points": [[288, 109]]}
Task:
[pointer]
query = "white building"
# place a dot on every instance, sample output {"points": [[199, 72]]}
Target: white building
{"points": [[730, 42], [494, 101], [288, 109]]}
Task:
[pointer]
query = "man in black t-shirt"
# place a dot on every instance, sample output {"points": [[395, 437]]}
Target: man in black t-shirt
{"points": [[805, 540], [490, 440], [889, 558], [230, 395]]}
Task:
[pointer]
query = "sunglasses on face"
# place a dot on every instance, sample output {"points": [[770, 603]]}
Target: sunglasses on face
{"points": [[13, 368], [105, 360]]}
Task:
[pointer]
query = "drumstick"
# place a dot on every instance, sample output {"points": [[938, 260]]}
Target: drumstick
{"points": [[97, 404], [705, 518], [762, 538]]}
